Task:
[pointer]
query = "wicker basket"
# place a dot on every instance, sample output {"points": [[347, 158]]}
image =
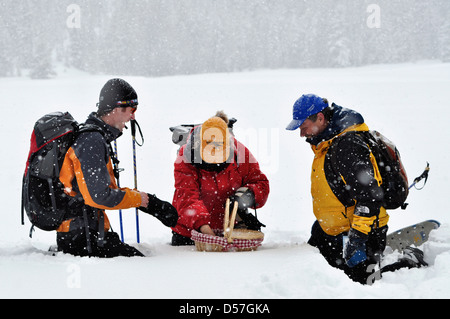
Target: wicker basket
{"points": [[228, 239]]}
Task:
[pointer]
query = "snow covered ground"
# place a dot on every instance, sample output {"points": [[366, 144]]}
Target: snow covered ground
{"points": [[409, 103]]}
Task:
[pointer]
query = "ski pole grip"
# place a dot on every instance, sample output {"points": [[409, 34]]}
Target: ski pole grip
{"points": [[133, 128]]}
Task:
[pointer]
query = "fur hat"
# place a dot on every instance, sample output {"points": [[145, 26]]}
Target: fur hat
{"points": [[215, 140]]}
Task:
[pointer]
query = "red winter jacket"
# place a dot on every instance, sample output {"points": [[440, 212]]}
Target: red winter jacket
{"points": [[200, 194]]}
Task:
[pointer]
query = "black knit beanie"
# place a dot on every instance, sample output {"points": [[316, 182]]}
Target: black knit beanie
{"points": [[116, 93]]}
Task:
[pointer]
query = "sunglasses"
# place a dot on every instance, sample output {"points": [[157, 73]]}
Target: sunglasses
{"points": [[129, 103]]}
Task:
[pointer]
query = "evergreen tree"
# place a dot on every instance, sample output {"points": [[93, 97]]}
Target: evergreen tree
{"points": [[163, 37]]}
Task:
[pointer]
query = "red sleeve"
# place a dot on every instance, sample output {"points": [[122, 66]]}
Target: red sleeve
{"points": [[186, 199], [253, 178]]}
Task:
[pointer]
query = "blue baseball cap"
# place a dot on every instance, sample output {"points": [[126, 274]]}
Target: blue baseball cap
{"points": [[304, 107]]}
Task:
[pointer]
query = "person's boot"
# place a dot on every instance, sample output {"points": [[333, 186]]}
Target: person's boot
{"points": [[414, 257]]}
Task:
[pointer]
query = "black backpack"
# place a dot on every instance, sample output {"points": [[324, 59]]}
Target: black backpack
{"points": [[43, 196], [393, 174], [395, 181]]}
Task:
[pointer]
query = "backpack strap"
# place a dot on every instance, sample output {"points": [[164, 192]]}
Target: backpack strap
{"points": [[86, 230], [331, 165], [115, 162], [101, 230], [362, 138], [365, 138], [84, 128]]}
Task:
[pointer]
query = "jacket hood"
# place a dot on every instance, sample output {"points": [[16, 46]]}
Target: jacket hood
{"points": [[342, 119], [111, 133]]}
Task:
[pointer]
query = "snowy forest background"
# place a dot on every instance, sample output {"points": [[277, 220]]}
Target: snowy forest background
{"points": [[166, 37]]}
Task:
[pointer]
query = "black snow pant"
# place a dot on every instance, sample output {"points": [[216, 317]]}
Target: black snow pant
{"points": [[331, 247], [75, 242], [180, 240]]}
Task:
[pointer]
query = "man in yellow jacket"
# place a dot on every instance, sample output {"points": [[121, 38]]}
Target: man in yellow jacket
{"points": [[345, 187]]}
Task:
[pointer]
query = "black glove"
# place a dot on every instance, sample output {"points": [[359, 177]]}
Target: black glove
{"points": [[162, 210], [245, 198], [355, 249]]}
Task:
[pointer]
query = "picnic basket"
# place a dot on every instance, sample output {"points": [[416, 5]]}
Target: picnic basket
{"points": [[228, 239]]}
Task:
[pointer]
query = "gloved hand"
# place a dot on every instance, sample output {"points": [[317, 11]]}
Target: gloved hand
{"points": [[355, 249], [245, 198], [162, 210], [250, 220]]}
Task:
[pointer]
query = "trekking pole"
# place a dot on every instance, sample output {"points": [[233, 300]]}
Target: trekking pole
{"points": [[424, 175], [118, 184], [133, 136]]}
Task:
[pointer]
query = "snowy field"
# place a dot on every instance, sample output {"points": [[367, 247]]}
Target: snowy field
{"points": [[409, 103]]}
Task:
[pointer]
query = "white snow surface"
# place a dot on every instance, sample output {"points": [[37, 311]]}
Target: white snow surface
{"points": [[409, 103]]}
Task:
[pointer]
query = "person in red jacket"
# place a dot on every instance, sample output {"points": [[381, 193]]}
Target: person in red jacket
{"points": [[210, 168]]}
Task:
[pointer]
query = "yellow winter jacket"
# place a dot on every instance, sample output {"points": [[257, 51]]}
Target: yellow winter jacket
{"points": [[335, 218]]}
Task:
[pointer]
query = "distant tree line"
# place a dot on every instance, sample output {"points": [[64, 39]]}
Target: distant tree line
{"points": [[166, 37]]}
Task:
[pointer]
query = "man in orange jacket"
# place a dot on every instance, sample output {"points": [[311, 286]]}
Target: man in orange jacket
{"points": [[89, 176]]}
